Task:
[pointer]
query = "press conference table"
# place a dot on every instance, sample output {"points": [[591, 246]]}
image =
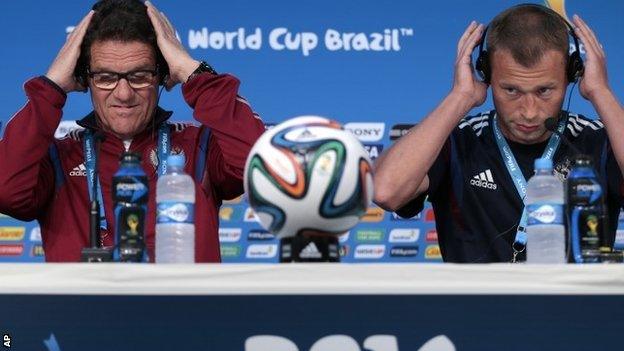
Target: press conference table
{"points": [[316, 307]]}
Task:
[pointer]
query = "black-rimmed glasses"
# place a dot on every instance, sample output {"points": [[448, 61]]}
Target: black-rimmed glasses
{"points": [[138, 79]]}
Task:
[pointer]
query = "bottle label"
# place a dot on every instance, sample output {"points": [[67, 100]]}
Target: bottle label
{"points": [[584, 191], [176, 212], [130, 189], [545, 214], [587, 225], [130, 221]]}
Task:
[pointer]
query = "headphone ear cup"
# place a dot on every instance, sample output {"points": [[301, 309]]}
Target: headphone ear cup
{"points": [[80, 75], [482, 67], [575, 67], [163, 72]]}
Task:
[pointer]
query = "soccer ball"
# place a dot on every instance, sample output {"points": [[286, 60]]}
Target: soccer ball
{"points": [[308, 176]]}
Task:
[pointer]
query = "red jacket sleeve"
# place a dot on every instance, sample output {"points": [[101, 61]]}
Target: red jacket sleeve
{"points": [[235, 128], [27, 176]]}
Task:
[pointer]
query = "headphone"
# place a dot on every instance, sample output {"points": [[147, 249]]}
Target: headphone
{"points": [[574, 65]]}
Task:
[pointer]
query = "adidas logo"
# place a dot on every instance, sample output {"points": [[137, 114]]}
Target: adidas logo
{"points": [[79, 171], [484, 180], [310, 251]]}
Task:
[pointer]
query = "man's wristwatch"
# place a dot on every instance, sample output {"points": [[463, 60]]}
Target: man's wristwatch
{"points": [[203, 67]]}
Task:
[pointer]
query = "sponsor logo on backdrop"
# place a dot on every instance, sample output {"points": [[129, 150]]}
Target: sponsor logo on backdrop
{"points": [[258, 234], [374, 150], [396, 217], [404, 235], [37, 251], [230, 251], [12, 233], [261, 251], [429, 215], [11, 250], [282, 38], [229, 213], [344, 237], [35, 234], [619, 239], [344, 250], [366, 131], [432, 236], [234, 201], [369, 251], [250, 215], [404, 251], [369, 235], [230, 235], [373, 214], [559, 7], [432, 252], [340, 342], [399, 130]]}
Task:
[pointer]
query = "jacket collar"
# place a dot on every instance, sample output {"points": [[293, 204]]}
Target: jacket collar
{"points": [[90, 120]]}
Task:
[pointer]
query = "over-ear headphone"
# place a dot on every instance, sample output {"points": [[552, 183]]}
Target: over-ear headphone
{"points": [[574, 65]]}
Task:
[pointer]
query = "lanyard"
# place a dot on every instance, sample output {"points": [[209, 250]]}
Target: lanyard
{"points": [[518, 178], [163, 149]]}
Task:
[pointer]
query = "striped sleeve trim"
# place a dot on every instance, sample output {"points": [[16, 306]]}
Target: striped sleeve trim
{"points": [[576, 124], [477, 122]]}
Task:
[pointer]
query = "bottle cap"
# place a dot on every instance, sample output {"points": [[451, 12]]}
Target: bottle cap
{"points": [[130, 157], [176, 160], [583, 160], [543, 163]]}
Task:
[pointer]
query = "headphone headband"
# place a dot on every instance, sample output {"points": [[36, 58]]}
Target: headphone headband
{"points": [[574, 65]]}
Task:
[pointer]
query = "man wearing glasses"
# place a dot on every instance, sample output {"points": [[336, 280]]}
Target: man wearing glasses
{"points": [[121, 52]]}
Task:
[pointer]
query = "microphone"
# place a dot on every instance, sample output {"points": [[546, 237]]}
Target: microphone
{"points": [[95, 252]]}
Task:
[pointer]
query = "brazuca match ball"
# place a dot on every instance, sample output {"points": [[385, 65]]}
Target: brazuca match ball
{"points": [[308, 176]]}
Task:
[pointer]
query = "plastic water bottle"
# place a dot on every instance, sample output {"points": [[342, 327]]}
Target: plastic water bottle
{"points": [[175, 220], [545, 227]]}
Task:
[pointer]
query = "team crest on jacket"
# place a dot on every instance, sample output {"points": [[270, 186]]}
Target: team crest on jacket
{"points": [[153, 155], [562, 169]]}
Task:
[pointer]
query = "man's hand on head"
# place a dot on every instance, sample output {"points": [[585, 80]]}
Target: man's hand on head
{"points": [[465, 83], [62, 69], [594, 80], [181, 64]]}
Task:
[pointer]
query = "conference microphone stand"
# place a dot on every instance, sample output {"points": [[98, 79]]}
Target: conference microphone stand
{"points": [[95, 252]]}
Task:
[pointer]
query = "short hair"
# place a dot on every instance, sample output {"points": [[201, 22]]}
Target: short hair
{"points": [[119, 20], [528, 32]]}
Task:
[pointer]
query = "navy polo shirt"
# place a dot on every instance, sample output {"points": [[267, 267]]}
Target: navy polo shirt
{"points": [[476, 204]]}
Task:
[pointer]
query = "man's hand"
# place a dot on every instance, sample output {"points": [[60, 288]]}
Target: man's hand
{"points": [[466, 84], [61, 71], [594, 80], [181, 64]]}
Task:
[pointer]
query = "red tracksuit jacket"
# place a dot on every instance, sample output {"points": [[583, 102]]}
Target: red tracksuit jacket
{"points": [[29, 188]]}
